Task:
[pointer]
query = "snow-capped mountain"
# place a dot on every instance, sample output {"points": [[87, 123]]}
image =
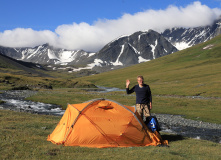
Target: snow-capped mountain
{"points": [[133, 49], [183, 38], [46, 54]]}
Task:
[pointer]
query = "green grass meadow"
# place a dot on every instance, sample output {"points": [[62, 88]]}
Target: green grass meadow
{"points": [[23, 136]]}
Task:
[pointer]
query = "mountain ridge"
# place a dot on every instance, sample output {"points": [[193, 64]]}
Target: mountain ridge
{"points": [[183, 38]]}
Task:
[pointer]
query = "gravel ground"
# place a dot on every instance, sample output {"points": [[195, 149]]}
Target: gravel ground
{"points": [[189, 128], [175, 124]]}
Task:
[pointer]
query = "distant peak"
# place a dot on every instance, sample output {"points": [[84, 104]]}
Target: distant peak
{"points": [[46, 45]]}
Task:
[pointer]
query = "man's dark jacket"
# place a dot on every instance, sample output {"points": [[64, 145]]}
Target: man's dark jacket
{"points": [[143, 94]]}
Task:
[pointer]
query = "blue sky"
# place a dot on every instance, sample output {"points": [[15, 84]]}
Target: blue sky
{"points": [[90, 24], [49, 14]]}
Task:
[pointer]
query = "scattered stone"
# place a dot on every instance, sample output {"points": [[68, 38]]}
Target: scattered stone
{"points": [[44, 128], [189, 128]]}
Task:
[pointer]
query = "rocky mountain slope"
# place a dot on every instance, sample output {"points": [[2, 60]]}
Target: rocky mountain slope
{"points": [[132, 49], [183, 38], [136, 48]]}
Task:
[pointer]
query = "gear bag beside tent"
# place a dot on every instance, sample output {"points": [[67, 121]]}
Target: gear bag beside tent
{"points": [[103, 123]]}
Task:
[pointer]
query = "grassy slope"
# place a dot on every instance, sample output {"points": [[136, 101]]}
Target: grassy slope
{"points": [[194, 71]]}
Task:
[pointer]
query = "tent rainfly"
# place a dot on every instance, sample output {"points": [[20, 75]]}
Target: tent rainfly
{"points": [[102, 123]]}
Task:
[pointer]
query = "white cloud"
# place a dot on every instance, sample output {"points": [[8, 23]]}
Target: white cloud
{"points": [[20, 37], [94, 37]]}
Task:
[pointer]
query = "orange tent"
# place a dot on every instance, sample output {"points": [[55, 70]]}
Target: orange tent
{"points": [[103, 123]]}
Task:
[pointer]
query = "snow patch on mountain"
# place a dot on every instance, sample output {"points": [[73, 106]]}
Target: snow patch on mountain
{"points": [[97, 62], [66, 56], [135, 50], [153, 48], [33, 52], [141, 59], [91, 54], [140, 36], [51, 55], [208, 46], [182, 45], [117, 62]]}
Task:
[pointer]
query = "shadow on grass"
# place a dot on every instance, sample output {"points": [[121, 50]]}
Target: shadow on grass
{"points": [[172, 138]]}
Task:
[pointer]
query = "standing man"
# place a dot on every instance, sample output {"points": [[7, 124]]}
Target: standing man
{"points": [[143, 97]]}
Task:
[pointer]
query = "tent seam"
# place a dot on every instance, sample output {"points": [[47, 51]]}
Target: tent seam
{"points": [[72, 125]]}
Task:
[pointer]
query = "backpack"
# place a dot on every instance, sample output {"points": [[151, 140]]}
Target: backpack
{"points": [[152, 123]]}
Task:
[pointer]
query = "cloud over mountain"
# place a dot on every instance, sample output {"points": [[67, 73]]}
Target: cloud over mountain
{"points": [[93, 37]]}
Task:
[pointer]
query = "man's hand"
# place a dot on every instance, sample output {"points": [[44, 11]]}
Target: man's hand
{"points": [[150, 105], [127, 83]]}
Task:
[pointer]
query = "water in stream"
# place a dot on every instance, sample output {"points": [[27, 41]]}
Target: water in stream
{"points": [[14, 100]]}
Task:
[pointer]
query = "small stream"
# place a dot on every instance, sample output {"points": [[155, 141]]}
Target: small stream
{"points": [[15, 100], [109, 89], [175, 124]]}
